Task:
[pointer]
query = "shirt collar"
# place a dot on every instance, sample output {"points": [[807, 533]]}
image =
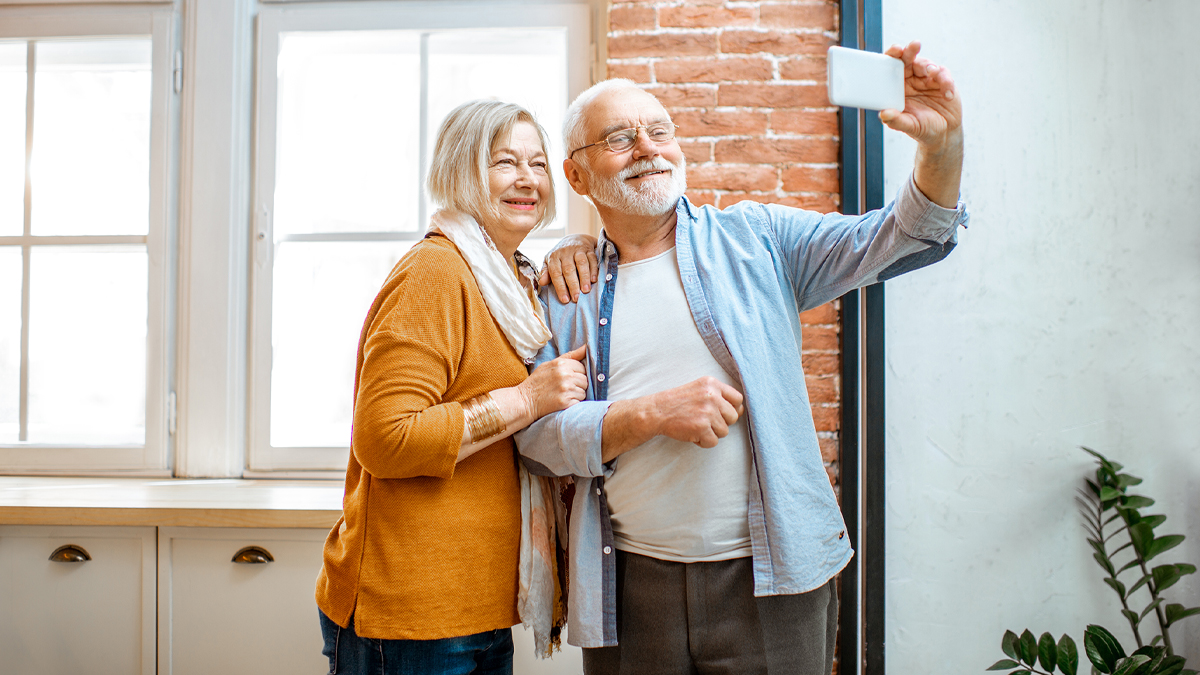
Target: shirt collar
{"points": [[682, 208]]}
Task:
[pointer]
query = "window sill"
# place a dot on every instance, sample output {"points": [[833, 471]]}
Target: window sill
{"points": [[169, 502]]}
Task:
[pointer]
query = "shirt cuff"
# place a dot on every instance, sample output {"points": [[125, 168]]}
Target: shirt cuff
{"points": [[922, 219]]}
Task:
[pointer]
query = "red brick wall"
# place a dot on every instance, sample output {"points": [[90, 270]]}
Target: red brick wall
{"points": [[745, 82]]}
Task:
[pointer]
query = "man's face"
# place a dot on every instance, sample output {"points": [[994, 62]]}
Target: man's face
{"points": [[647, 179]]}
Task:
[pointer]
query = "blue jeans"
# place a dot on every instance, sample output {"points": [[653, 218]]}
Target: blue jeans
{"points": [[486, 653]]}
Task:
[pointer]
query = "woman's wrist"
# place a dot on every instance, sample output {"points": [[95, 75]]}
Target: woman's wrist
{"points": [[483, 418]]}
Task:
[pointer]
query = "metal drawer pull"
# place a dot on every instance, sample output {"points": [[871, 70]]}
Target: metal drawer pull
{"points": [[253, 555], [70, 554]]}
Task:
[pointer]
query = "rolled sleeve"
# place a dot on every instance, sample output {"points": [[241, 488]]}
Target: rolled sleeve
{"points": [[922, 219], [566, 443]]}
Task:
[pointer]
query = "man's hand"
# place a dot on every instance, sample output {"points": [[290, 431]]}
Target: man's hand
{"points": [[699, 412], [932, 108], [932, 116], [571, 266]]}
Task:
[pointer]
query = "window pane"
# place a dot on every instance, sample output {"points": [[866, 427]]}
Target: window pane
{"points": [[322, 294], [91, 145], [349, 117], [527, 67], [87, 345], [12, 138], [10, 343]]}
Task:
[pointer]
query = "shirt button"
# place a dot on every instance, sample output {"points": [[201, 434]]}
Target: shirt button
{"points": [[608, 277], [607, 550], [600, 377], [598, 491], [603, 322]]}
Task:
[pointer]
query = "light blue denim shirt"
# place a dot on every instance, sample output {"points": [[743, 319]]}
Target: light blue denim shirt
{"points": [[748, 271]]}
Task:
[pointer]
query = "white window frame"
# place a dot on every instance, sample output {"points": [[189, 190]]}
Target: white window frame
{"points": [[158, 22], [263, 458]]}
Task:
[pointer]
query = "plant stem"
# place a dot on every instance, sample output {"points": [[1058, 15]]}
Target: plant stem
{"points": [[1158, 610], [1150, 586], [1124, 603]]}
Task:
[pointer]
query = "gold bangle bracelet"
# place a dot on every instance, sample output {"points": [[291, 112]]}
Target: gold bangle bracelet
{"points": [[482, 417]]}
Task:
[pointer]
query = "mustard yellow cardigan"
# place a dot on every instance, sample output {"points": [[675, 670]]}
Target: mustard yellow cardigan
{"points": [[426, 548]]}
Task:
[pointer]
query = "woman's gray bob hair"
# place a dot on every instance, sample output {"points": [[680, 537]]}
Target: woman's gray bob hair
{"points": [[458, 174]]}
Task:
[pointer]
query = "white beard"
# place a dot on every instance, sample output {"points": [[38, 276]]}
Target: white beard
{"points": [[654, 198]]}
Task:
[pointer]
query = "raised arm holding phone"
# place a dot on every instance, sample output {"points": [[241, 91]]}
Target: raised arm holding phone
{"points": [[704, 533]]}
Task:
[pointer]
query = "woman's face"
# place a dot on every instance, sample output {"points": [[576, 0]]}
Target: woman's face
{"points": [[519, 186]]}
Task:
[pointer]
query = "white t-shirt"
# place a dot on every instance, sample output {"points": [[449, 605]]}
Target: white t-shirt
{"points": [[671, 499]]}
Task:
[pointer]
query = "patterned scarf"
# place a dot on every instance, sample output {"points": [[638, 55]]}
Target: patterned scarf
{"points": [[512, 301]]}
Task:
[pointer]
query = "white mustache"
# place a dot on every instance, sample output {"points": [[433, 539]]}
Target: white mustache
{"points": [[644, 165]]}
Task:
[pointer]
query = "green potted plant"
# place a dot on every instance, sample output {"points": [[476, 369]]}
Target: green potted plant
{"points": [[1124, 544]]}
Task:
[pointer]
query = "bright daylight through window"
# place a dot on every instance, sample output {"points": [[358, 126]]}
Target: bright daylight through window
{"points": [[356, 116], [75, 135]]}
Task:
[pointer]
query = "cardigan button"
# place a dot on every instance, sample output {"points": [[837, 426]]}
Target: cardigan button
{"points": [[608, 277], [603, 322], [600, 377], [598, 493], [607, 550]]}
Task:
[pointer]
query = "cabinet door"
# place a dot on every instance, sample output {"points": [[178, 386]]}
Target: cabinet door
{"points": [[91, 616], [218, 616]]}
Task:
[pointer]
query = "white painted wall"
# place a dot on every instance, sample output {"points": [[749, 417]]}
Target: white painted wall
{"points": [[1069, 316]]}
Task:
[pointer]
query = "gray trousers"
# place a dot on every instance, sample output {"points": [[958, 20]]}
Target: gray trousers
{"points": [[676, 618]]}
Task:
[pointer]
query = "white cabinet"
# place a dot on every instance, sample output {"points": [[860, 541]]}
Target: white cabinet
{"points": [[218, 616], [92, 616], [210, 615]]}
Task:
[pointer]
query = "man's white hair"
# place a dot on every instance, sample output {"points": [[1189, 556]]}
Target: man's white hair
{"points": [[574, 129]]}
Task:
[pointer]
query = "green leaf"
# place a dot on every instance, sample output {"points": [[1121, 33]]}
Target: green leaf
{"points": [[1140, 582], [1103, 562], [1028, 647], [1102, 648], [1150, 608], [1185, 568], [1141, 535], [1162, 661], [1009, 644], [1136, 502], [1165, 576], [1068, 656], [1116, 586], [1129, 664], [1154, 521], [1161, 544], [1047, 652], [1171, 665], [1132, 617], [1131, 564], [1107, 494], [1004, 664], [1125, 480], [1175, 612]]}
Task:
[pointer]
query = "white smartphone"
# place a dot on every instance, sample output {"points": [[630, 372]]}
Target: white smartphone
{"points": [[867, 80]]}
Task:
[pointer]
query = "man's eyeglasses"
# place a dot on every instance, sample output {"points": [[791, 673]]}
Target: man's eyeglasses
{"points": [[624, 139]]}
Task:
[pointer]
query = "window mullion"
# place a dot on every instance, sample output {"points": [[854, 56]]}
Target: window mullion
{"points": [[423, 134], [23, 394]]}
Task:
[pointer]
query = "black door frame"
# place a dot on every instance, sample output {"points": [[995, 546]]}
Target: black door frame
{"points": [[861, 463]]}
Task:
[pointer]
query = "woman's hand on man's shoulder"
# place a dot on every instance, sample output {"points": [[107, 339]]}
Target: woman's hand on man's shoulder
{"points": [[571, 266]]}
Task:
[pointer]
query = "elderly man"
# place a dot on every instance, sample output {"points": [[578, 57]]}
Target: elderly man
{"points": [[704, 535]]}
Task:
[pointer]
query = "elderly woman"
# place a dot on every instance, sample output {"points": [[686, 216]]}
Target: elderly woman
{"points": [[443, 545]]}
